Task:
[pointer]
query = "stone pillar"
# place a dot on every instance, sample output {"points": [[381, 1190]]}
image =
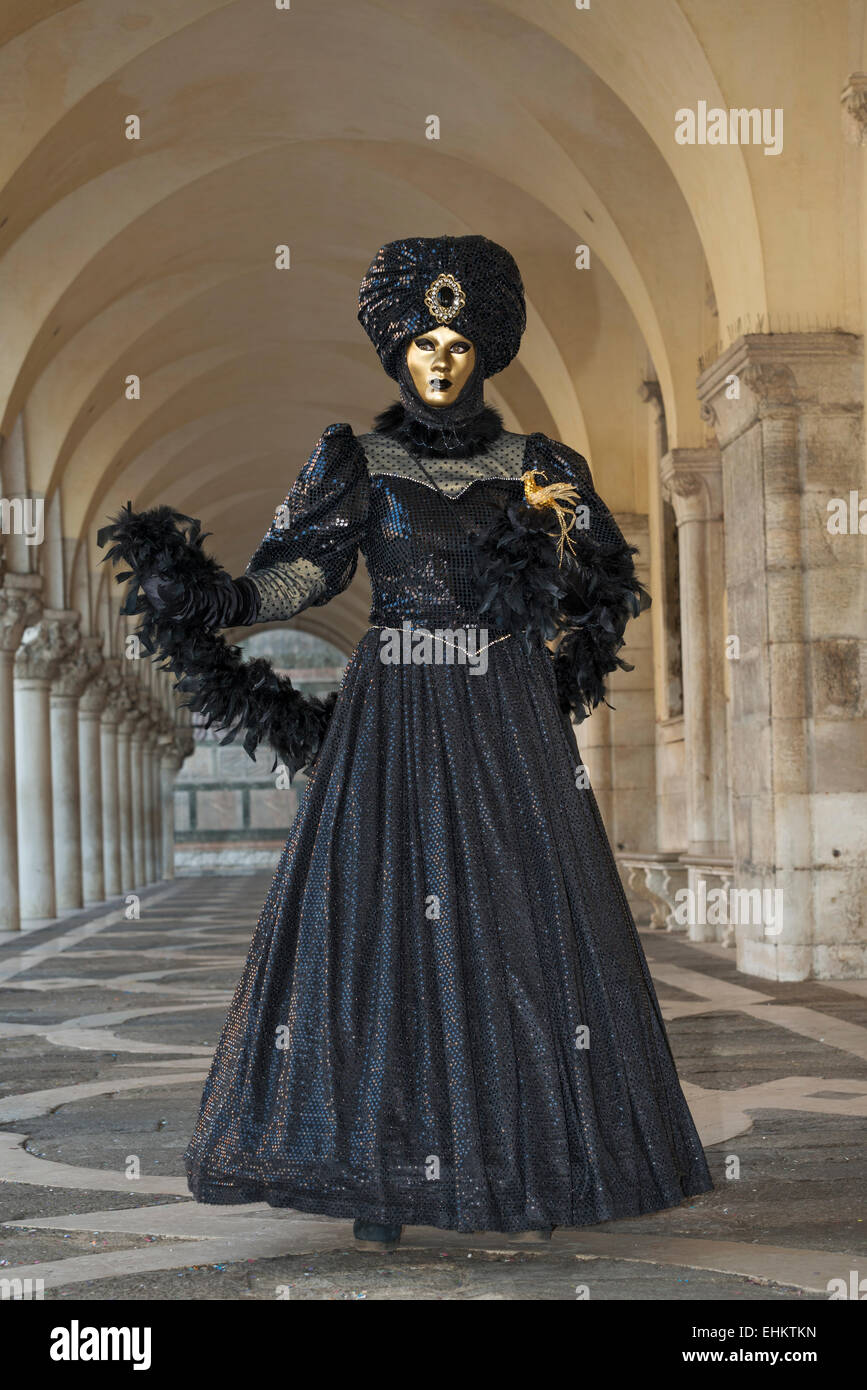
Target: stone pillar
{"points": [[787, 410], [149, 817], [90, 708], [618, 740], [632, 720], [125, 797], [112, 830], [662, 552], [138, 734], [43, 648], [171, 762], [692, 480], [67, 686], [594, 738], [667, 653], [19, 609], [853, 99], [166, 728], [161, 726]]}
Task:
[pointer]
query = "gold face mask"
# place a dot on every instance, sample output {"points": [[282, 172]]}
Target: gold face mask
{"points": [[440, 363]]}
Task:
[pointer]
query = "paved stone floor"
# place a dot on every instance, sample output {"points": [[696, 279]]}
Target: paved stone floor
{"points": [[108, 1027]]}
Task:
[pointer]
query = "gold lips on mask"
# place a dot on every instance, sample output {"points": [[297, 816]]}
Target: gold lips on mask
{"points": [[438, 357]]}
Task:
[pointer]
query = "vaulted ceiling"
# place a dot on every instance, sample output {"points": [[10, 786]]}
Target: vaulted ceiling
{"points": [[306, 126]]}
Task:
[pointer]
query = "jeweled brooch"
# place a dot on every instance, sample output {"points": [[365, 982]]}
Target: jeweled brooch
{"points": [[445, 298]]}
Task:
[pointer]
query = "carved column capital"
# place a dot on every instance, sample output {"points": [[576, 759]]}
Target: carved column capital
{"points": [[156, 721], [772, 383], [853, 107], [47, 645], [692, 481], [165, 724], [142, 714], [184, 743], [79, 669], [95, 695], [20, 608], [778, 377], [111, 676], [650, 392], [123, 702]]}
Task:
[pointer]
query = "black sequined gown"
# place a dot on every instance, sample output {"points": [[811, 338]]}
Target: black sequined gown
{"points": [[446, 1017]]}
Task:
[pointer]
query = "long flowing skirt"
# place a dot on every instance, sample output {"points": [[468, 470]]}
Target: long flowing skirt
{"points": [[446, 1017]]}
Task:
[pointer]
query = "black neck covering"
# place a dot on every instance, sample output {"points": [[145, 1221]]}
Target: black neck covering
{"points": [[447, 431]]}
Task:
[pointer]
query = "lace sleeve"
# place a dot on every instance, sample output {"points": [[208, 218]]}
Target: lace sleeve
{"points": [[310, 551]]}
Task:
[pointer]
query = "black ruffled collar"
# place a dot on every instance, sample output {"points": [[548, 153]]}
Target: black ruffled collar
{"points": [[453, 439]]}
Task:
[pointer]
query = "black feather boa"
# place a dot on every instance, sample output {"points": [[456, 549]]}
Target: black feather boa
{"points": [[517, 573], [588, 597], [228, 692]]}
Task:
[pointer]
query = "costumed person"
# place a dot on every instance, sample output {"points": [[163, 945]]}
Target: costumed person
{"points": [[446, 1017]]}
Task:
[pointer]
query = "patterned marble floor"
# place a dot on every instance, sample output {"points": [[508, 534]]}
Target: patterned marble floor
{"points": [[107, 1028]]}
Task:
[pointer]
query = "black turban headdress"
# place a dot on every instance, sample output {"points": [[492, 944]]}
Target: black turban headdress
{"points": [[466, 283]]}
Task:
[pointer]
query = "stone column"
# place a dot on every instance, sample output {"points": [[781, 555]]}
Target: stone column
{"points": [[149, 757], [618, 740], [665, 624], [853, 99], [171, 762], [90, 708], [161, 732], [125, 794], [787, 410], [138, 735], [43, 648], [594, 738], [66, 688], [166, 729], [19, 609], [632, 719], [112, 831], [692, 480]]}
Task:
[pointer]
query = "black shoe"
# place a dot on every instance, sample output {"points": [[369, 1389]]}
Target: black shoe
{"points": [[372, 1236]]}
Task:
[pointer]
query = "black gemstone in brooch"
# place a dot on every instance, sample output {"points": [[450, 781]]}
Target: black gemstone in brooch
{"points": [[444, 298]]}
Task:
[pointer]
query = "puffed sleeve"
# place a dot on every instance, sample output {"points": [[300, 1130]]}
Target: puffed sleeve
{"points": [[601, 590], [310, 551]]}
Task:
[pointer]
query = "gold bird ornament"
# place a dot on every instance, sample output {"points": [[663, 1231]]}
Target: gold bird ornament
{"points": [[563, 498]]}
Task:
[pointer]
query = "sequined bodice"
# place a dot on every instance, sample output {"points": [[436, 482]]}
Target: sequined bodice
{"points": [[422, 513], [414, 517]]}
